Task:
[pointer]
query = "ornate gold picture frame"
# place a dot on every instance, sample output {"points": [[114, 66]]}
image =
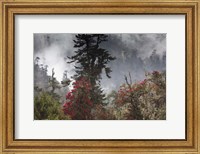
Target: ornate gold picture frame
{"points": [[10, 8]]}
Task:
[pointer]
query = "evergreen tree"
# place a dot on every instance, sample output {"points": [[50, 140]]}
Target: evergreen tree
{"points": [[91, 59], [54, 84], [40, 76]]}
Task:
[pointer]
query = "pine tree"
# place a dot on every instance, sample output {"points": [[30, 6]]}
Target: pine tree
{"points": [[54, 84], [91, 59]]}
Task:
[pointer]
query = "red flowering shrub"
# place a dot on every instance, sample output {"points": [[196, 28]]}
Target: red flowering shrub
{"points": [[135, 101], [78, 101], [143, 100], [127, 93]]}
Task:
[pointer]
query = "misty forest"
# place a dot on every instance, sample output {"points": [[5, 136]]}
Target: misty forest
{"points": [[99, 76]]}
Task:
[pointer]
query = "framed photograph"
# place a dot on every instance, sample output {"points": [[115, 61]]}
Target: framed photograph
{"points": [[99, 76]]}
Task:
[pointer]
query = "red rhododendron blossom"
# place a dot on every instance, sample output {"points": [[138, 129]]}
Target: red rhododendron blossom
{"points": [[67, 108], [126, 92], [143, 82], [78, 100], [131, 92], [69, 95], [155, 73]]}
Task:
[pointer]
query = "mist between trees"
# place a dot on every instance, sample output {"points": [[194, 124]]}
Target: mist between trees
{"points": [[104, 76]]}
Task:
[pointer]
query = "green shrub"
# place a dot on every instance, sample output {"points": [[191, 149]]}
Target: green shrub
{"points": [[46, 107]]}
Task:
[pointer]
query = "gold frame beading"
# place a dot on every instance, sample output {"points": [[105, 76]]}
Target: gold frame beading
{"points": [[9, 8]]}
